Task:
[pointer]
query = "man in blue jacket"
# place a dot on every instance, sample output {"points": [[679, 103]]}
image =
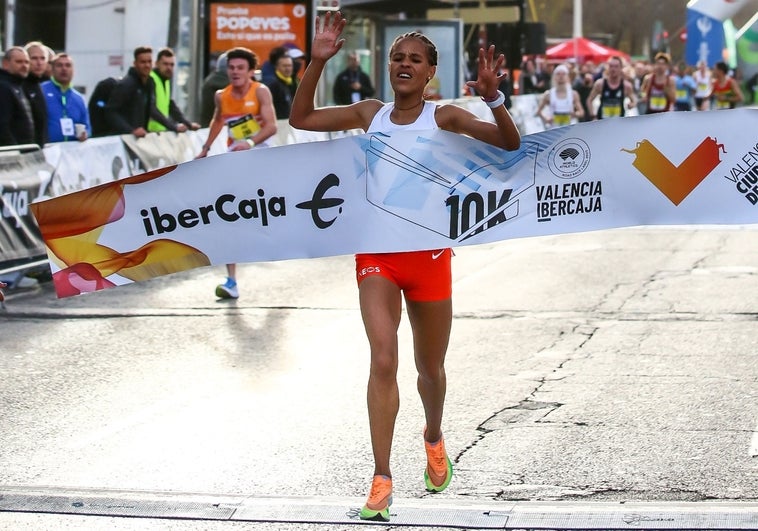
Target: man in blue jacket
{"points": [[67, 115]]}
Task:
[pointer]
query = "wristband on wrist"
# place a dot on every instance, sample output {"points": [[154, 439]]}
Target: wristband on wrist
{"points": [[250, 142], [206, 147], [493, 103]]}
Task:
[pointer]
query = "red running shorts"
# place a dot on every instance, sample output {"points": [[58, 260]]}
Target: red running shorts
{"points": [[424, 276]]}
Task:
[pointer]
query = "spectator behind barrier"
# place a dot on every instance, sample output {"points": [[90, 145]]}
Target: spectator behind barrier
{"points": [[164, 113], [16, 122], [283, 86], [96, 107], [214, 81], [352, 84], [38, 72], [129, 103], [268, 68], [67, 115]]}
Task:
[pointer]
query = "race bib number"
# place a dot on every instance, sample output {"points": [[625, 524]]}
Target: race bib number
{"points": [[658, 103], [681, 94], [612, 111], [243, 127], [561, 119]]}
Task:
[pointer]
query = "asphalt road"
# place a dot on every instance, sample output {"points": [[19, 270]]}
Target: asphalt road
{"points": [[587, 370]]}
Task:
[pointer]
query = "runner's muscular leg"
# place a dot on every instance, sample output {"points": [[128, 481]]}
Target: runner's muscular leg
{"points": [[381, 308], [431, 323]]}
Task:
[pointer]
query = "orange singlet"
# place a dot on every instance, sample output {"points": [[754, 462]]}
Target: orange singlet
{"points": [[239, 114], [424, 276]]}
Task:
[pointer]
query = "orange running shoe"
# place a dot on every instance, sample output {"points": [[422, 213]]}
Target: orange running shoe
{"points": [[379, 500], [439, 469]]}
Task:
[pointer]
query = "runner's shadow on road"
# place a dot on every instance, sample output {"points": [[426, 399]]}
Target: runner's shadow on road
{"points": [[255, 341]]}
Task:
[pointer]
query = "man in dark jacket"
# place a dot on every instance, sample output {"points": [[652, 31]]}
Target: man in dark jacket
{"points": [[129, 103], [96, 106], [352, 84], [284, 84], [16, 122], [38, 67], [216, 80]]}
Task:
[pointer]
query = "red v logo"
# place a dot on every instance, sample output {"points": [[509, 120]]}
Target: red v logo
{"points": [[676, 182]]}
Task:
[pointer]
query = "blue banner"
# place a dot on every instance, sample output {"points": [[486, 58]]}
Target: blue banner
{"points": [[705, 38]]}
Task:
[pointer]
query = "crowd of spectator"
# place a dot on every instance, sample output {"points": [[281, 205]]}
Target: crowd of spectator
{"points": [[649, 86], [39, 103]]}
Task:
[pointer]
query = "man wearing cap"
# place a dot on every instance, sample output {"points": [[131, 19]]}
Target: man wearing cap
{"points": [[268, 69], [297, 55]]}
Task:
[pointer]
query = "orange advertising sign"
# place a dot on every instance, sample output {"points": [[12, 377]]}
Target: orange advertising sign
{"points": [[258, 26]]}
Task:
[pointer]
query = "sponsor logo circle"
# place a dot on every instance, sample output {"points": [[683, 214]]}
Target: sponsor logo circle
{"points": [[569, 158]]}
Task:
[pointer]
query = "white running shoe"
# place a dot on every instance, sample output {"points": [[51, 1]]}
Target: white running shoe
{"points": [[227, 290]]}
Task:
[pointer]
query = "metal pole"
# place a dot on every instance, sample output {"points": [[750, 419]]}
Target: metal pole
{"points": [[10, 24], [197, 56], [577, 18], [577, 27]]}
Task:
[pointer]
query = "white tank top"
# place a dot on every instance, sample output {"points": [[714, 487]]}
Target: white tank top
{"points": [[381, 122], [561, 106], [703, 82]]}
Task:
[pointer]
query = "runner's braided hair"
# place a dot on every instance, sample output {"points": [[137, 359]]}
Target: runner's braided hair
{"points": [[431, 49]]}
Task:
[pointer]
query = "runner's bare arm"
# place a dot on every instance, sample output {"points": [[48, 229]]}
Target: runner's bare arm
{"points": [[304, 115], [629, 93], [596, 88], [671, 89], [543, 102], [503, 133], [578, 109], [217, 124], [267, 114], [738, 96]]}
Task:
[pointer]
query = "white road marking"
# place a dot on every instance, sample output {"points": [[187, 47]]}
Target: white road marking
{"points": [[754, 443]]}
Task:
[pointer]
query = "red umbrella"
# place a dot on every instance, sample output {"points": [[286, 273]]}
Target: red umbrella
{"points": [[582, 50]]}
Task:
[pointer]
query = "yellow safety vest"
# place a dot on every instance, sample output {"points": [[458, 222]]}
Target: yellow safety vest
{"points": [[162, 100]]}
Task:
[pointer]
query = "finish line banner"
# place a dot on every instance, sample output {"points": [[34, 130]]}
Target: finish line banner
{"points": [[406, 191]]}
